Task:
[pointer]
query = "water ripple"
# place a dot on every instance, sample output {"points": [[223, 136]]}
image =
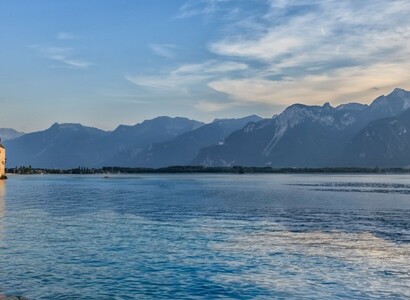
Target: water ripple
{"points": [[204, 237]]}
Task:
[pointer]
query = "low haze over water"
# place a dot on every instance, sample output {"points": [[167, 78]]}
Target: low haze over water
{"points": [[205, 237]]}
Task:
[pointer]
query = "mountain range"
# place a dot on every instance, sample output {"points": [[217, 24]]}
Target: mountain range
{"points": [[73, 145], [183, 149], [308, 136], [350, 134]]}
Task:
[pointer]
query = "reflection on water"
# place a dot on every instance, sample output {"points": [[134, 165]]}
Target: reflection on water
{"points": [[2, 204], [318, 258], [205, 237]]}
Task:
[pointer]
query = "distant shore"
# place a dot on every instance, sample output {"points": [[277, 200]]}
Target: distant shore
{"points": [[206, 170]]}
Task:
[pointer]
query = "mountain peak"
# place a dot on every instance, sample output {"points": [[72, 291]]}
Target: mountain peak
{"points": [[398, 92], [327, 106], [395, 102], [170, 120]]}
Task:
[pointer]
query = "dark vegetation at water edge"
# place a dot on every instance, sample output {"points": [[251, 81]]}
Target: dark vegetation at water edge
{"points": [[24, 170], [207, 170]]}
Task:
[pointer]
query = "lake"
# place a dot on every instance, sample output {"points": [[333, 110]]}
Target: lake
{"points": [[205, 237]]}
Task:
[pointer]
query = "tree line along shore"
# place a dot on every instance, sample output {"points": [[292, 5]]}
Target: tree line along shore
{"points": [[205, 170]]}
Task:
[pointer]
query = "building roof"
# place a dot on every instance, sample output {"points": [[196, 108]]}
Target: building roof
{"points": [[1, 146]]}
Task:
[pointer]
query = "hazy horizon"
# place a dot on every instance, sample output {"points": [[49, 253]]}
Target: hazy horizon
{"points": [[107, 63]]}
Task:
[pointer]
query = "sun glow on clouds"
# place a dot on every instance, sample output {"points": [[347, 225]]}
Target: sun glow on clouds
{"points": [[350, 83], [299, 51], [332, 51]]}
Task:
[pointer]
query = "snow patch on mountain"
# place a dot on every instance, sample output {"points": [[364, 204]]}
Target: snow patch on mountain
{"points": [[295, 115], [347, 120]]}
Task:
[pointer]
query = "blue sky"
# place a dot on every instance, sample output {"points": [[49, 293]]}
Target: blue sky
{"points": [[108, 62]]}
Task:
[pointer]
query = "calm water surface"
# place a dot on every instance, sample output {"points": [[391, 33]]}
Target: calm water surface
{"points": [[206, 237]]}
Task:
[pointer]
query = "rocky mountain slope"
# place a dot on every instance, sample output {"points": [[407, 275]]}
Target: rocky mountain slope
{"points": [[382, 143], [302, 136]]}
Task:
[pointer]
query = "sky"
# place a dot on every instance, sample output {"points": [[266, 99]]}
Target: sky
{"points": [[108, 62]]}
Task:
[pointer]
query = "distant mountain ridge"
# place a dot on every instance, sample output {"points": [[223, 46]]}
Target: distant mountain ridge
{"points": [[72, 145], [9, 134], [350, 134], [60, 146], [133, 139], [184, 148]]}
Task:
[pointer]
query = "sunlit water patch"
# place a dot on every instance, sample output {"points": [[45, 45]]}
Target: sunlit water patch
{"points": [[204, 237]]}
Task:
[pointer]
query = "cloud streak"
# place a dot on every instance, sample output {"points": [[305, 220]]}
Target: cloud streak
{"points": [[211, 106], [164, 50], [194, 8], [186, 75], [63, 55]]}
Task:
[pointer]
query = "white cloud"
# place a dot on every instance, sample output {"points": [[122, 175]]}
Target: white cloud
{"points": [[164, 50], [268, 47]]}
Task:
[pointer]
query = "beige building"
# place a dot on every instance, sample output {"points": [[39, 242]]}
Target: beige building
{"points": [[2, 162]]}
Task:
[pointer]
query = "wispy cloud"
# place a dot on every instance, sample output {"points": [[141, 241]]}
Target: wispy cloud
{"points": [[65, 36], [210, 68], [192, 8], [211, 106], [326, 30], [164, 50], [312, 51], [186, 75], [65, 56], [286, 51]]}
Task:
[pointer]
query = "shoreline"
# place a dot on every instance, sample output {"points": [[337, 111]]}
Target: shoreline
{"points": [[205, 170]]}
